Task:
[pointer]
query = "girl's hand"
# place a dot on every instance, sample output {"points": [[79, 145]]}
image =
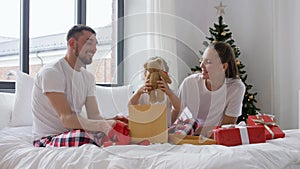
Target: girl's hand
{"points": [[162, 85], [146, 88]]}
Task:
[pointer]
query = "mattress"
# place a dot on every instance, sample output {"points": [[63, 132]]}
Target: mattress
{"points": [[17, 151]]}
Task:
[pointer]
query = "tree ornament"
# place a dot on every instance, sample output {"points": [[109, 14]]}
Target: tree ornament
{"points": [[220, 9], [223, 33]]}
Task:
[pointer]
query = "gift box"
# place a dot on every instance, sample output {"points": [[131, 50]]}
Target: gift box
{"points": [[119, 135], [272, 130], [179, 139], [148, 122], [238, 135]]}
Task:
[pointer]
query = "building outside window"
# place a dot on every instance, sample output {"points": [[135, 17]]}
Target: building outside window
{"points": [[48, 28], [9, 39]]}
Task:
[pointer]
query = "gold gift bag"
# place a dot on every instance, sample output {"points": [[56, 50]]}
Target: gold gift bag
{"points": [[148, 122]]}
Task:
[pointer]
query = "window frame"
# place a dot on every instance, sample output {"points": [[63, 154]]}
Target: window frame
{"points": [[80, 17]]}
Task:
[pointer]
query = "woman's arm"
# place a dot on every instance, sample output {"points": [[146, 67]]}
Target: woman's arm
{"points": [[228, 120], [235, 105]]}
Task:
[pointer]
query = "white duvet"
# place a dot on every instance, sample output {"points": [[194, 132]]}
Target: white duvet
{"points": [[16, 151]]}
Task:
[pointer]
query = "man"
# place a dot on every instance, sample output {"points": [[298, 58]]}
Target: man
{"points": [[60, 91]]}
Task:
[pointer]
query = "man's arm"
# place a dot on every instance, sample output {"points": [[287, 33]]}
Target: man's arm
{"points": [[92, 109], [71, 120]]}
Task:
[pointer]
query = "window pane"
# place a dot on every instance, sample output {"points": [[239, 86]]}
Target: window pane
{"points": [[100, 14], [9, 39], [49, 22]]}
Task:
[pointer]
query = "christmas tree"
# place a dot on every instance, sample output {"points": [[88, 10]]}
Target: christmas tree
{"points": [[221, 32]]}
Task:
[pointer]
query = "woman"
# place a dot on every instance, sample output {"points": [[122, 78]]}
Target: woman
{"points": [[215, 95]]}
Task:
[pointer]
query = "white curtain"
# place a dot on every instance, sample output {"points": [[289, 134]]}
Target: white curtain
{"points": [[286, 52], [163, 39], [149, 32]]}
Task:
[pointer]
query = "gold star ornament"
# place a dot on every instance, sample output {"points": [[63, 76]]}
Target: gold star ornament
{"points": [[220, 9]]}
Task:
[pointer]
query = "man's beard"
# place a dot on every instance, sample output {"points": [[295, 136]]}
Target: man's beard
{"points": [[83, 60]]}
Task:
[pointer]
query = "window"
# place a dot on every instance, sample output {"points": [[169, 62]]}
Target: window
{"points": [[100, 17], [9, 39], [47, 36], [48, 28]]}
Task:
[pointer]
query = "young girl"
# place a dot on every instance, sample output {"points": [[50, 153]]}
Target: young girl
{"points": [[141, 96]]}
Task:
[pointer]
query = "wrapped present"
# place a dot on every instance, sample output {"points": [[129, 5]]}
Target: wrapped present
{"points": [[179, 139], [272, 130], [233, 135], [148, 122], [119, 135]]}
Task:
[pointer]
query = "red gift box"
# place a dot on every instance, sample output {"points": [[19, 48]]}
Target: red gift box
{"points": [[272, 131], [119, 135], [238, 135]]}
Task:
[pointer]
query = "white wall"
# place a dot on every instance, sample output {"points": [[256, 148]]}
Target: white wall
{"points": [[267, 33]]}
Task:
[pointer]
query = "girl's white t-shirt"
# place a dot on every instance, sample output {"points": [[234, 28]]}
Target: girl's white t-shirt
{"points": [[144, 99]]}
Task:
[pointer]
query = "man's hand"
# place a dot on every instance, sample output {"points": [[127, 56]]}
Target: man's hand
{"points": [[121, 118]]}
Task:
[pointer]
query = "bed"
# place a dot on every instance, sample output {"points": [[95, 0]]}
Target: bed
{"points": [[17, 151]]}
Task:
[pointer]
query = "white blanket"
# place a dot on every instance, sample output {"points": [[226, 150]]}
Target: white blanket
{"points": [[16, 151]]}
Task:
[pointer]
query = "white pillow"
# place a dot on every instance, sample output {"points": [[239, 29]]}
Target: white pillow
{"points": [[6, 107], [113, 101], [22, 112]]}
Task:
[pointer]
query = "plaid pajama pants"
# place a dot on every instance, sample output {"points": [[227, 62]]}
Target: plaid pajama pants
{"points": [[73, 138], [184, 127]]}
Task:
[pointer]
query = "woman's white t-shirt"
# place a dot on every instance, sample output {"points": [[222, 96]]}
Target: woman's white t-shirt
{"points": [[210, 106]]}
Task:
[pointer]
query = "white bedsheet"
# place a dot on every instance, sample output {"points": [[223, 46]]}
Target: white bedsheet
{"points": [[16, 151]]}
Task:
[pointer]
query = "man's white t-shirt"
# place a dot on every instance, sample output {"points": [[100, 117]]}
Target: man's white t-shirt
{"points": [[210, 106], [58, 77]]}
